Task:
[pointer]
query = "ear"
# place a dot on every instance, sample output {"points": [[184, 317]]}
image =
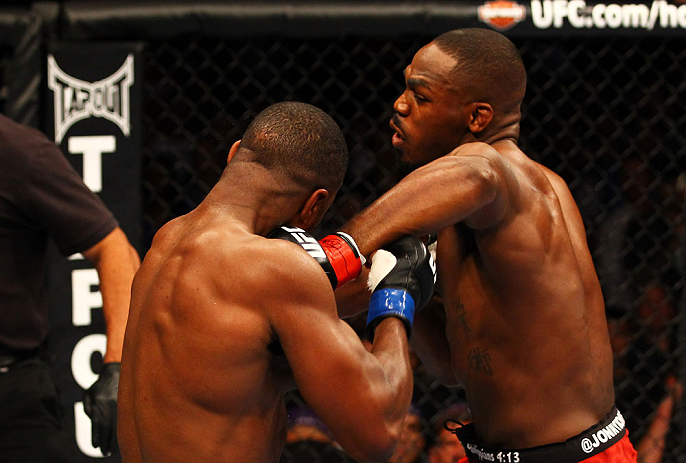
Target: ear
{"points": [[312, 212], [479, 115], [233, 150]]}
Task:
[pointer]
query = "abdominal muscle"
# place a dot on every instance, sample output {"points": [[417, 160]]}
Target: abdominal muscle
{"points": [[522, 356]]}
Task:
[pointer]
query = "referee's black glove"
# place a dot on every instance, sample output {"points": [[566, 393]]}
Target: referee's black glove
{"points": [[100, 404]]}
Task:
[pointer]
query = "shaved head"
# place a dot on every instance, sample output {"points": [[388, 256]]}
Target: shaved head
{"points": [[489, 67], [299, 140]]}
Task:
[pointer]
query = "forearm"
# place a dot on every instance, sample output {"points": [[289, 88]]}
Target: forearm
{"points": [[379, 382], [435, 196], [118, 274], [116, 262], [392, 350], [390, 394], [395, 214]]}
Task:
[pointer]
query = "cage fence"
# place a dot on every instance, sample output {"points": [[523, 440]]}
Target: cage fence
{"points": [[604, 113]]}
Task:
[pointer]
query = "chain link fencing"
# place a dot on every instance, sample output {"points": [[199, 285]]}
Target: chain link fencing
{"points": [[5, 56], [605, 113]]}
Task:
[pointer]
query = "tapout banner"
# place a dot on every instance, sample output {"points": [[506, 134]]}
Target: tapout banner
{"points": [[93, 95]]}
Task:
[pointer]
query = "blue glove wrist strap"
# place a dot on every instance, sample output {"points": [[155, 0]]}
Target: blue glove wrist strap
{"points": [[391, 302]]}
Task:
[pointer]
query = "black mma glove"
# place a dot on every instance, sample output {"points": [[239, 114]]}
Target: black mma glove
{"points": [[100, 404], [402, 280], [337, 254]]}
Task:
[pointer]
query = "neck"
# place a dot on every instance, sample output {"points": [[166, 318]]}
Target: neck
{"points": [[505, 145], [501, 128], [255, 196]]}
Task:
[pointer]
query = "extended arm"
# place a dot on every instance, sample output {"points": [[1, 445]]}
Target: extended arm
{"points": [[468, 184]]}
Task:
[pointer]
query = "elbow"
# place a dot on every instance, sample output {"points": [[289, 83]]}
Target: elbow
{"points": [[114, 246], [134, 258], [476, 169], [487, 177], [389, 441]]}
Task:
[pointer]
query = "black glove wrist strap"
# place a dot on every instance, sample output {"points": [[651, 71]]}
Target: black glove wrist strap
{"points": [[110, 368]]}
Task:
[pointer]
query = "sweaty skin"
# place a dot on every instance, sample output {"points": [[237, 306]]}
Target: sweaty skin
{"points": [[520, 323], [203, 375]]}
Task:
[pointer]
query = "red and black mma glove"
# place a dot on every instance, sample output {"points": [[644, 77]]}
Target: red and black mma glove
{"points": [[402, 280], [337, 254], [100, 404]]}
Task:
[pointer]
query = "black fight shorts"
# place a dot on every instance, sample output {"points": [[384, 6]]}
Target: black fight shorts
{"points": [[607, 441]]}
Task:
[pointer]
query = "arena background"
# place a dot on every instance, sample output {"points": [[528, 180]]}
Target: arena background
{"points": [[604, 108]]}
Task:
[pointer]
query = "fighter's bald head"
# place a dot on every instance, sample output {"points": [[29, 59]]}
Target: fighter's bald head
{"points": [[488, 66], [299, 140]]}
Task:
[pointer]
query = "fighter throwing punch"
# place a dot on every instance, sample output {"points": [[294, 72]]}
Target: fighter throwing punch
{"points": [[522, 323], [224, 320]]}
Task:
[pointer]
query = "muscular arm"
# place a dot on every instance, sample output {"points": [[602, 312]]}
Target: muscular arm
{"points": [[464, 185], [116, 262], [361, 396]]}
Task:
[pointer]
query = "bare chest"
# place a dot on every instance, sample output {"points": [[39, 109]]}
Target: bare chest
{"points": [[472, 307]]}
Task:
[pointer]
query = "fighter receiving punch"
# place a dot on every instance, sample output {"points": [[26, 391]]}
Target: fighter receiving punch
{"points": [[522, 323], [219, 312]]}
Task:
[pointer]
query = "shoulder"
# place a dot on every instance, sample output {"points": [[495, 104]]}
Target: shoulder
{"points": [[477, 155], [555, 179], [291, 264], [272, 268], [492, 177], [292, 291], [476, 149], [287, 284], [20, 136], [23, 146], [10, 131], [482, 163]]}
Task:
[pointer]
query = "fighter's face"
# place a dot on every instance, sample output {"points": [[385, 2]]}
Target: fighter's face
{"points": [[428, 120]]}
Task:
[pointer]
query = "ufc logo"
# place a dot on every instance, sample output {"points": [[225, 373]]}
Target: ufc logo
{"points": [[307, 242]]}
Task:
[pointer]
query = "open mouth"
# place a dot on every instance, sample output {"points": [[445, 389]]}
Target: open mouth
{"points": [[398, 137]]}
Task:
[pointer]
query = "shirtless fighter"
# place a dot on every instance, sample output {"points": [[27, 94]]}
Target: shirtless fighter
{"points": [[219, 312], [522, 323]]}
